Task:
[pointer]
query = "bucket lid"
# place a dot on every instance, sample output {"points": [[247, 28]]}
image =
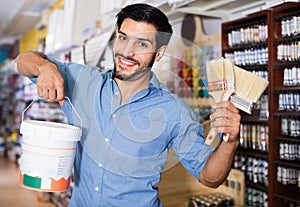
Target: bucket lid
{"points": [[53, 130]]}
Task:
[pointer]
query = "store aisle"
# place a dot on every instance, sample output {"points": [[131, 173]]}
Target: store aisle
{"points": [[12, 195]]}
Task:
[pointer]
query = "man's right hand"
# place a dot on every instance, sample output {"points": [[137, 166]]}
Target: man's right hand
{"points": [[50, 83]]}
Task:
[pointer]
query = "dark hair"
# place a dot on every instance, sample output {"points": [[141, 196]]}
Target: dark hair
{"points": [[149, 14]]}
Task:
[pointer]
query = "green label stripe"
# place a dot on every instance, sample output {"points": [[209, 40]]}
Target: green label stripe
{"points": [[33, 182]]}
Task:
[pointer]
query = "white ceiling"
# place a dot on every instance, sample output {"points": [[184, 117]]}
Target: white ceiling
{"points": [[18, 16]]}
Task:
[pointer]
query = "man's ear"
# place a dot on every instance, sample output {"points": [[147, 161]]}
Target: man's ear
{"points": [[160, 52]]}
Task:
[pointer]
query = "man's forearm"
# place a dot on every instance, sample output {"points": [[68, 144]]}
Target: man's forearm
{"points": [[218, 165]]}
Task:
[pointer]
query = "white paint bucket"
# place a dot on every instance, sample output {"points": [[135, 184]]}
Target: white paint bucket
{"points": [[48, 151]]}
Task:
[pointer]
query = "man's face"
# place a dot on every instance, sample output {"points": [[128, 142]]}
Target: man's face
{"points": [[134, 49]]}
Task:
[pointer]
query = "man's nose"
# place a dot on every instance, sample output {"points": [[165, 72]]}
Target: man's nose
{"points": [[129, 49]]}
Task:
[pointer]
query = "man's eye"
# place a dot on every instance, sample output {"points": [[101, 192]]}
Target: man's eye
{"points": [[122, 37], [142, 44]]}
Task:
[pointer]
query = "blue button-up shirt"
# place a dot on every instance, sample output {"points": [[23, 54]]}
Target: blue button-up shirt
{"points": [[124, 148]]}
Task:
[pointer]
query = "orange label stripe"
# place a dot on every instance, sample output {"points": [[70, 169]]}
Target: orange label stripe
{"points": [[51, 148]]}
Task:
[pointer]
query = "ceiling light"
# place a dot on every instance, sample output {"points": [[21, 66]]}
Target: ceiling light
{"points": [[32, 13]]}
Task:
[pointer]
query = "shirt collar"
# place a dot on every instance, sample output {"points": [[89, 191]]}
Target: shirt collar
{"points": [[154, 81]]}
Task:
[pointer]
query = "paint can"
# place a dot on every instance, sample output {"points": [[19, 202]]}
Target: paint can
{"points": [[48, 151]]}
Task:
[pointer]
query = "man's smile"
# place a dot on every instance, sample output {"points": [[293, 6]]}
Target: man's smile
{"points": [[127, 63]]}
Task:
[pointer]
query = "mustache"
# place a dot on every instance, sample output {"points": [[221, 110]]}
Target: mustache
{"points": [[128, 58]]}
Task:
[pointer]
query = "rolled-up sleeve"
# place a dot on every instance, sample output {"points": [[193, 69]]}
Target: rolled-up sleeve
{"points": [[189, 145]]}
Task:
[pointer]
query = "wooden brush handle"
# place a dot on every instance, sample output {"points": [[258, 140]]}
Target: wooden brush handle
{"points": [[212, 139], [226, 97]]}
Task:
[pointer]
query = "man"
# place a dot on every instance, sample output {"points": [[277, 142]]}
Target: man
{"points": [[130, 120]]}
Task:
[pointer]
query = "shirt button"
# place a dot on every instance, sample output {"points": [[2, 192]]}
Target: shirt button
{"points": [[100, 165], [106, 140], [96, 188]]}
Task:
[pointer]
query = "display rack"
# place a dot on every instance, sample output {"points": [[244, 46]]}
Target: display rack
{"points": [[268, 43], [284, 188]]}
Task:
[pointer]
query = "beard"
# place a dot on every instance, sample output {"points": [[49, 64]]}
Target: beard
{"points": [[133, 76]]}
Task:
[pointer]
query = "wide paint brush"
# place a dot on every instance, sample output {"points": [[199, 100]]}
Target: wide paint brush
{"points": [[220, 76], [248, 89]]}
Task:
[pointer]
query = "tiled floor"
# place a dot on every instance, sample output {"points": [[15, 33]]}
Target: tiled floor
{"points": [[11, 194]]}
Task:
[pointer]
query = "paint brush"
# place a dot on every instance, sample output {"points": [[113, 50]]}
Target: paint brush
{"points": [[248, 89], [242, 87], [220, 76], [215, 78], [230, 88]]}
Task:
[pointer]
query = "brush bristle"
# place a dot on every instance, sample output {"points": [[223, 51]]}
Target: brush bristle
{"points": [[214, 70], [229, 74], [228, 69], [248, 86]]}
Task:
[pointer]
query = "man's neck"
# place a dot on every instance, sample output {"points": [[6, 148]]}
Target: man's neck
{"points": [[130, 87]]}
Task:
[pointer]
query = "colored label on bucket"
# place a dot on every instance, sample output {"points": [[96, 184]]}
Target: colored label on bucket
{"points": [[33, 182], [44, 184]]}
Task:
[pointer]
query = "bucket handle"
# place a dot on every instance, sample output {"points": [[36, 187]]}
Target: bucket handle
{"points": [[66, 97]]}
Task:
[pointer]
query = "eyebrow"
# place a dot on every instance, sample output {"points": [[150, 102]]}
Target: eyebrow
{"points": [[139, 38]]}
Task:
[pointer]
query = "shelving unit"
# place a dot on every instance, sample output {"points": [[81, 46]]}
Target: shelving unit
{"points": [[242, 40], [282, 193]]}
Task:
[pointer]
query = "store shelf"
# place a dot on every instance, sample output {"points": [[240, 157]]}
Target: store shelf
{"points": [[252, 153], [246, 45], [286, 113], [289, 196], [278, 194], [287, 138], [254, 117], [257, 186], [288, 163]]}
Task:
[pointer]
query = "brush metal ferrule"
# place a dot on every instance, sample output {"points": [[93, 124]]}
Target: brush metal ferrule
{"points": [[241, 103], [220, 85], [230, 85]]}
